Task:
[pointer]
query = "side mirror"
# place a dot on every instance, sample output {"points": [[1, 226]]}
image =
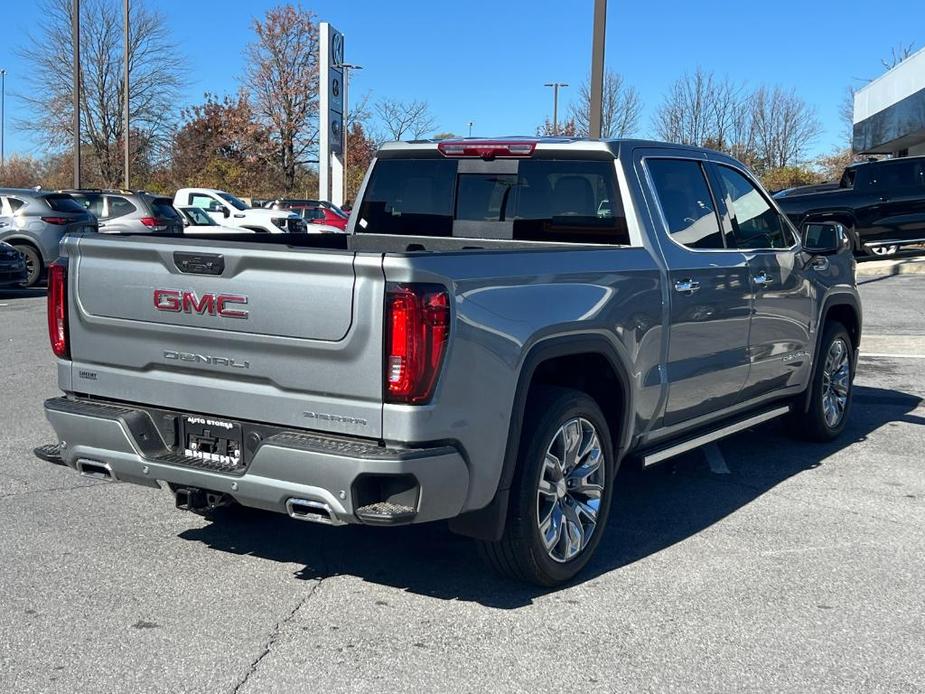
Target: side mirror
{"points": [[226, 211], [824, 238]]}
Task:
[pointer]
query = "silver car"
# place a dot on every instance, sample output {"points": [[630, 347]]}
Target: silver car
{"points": [[129, 212], [35, 221]]}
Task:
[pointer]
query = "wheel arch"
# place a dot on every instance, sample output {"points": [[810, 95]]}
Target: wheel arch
{"points": [[846, 309], [567, 361]]}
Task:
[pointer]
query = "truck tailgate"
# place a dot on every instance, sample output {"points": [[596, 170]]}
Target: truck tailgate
{"points": [[280, 334]]}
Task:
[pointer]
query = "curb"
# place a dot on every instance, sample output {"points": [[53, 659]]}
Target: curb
{"points": [[881, 268]]}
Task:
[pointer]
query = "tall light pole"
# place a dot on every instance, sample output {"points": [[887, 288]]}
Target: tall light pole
{"points": [[125, 51], [555, 104], [2, 113], [470, 128], [75, 38], [597, 66], [347, 67]]}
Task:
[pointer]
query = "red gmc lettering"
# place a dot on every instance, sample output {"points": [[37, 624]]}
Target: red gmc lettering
{"points": [[167, 300], [223, 299], [175, 301], [193, 303]]}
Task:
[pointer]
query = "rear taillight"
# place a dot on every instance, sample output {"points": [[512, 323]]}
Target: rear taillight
{"points": [[57, 220], [151, 223], [57, 309], [486, 149], [417, 328]]}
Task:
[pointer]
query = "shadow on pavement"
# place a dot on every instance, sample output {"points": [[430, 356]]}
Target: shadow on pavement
{"points": [[653, 510], [7, 293]]}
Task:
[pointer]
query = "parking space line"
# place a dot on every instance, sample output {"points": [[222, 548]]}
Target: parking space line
{"points": [[892, 356], [715, 459]]}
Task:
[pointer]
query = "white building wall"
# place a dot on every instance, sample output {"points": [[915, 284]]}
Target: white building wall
{"points": [[904, 80]]}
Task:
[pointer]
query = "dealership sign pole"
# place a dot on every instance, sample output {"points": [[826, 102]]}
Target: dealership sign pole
{"points": [[331, 115]]}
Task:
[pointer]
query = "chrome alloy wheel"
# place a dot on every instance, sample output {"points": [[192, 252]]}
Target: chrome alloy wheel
{"points": [[884, 250], [570, 488], [836, 380]]}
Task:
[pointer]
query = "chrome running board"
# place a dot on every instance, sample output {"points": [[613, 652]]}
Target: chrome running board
{"points": [[660, 454]]}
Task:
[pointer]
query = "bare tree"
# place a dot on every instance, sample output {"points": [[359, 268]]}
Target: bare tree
{"points": [[620, 108], [897, 55], [154, 63], [282, 79], [403, 119], [685, 114], [785, 126]]}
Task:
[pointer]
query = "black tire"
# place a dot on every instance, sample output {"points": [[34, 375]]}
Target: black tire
{"points": [[814, 425], [33, 264], [521, 553]]}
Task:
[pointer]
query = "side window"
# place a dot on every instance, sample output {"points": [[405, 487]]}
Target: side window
{"points": [[14, 204], [203, 202], [683, 195], [91, 203], [119, 207], [755, 223], [894, 174]]}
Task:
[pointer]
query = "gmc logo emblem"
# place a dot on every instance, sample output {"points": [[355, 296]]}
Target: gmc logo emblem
{"points": [[175, 301]]}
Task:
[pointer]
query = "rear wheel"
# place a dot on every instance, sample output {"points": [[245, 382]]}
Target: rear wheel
{"points": [[560, 498], [831, 387], [33, 264]]}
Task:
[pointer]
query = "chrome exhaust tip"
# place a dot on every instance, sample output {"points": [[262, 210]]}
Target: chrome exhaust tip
{"points": [[95, 469], [312, 511]]}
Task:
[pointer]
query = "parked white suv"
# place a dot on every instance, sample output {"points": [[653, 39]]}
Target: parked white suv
{"points": [[227, 210]]}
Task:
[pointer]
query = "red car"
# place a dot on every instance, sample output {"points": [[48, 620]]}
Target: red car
{"points": [[315, 211]]}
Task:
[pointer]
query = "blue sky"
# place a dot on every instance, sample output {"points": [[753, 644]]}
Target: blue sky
{"points": [[487, 61]]}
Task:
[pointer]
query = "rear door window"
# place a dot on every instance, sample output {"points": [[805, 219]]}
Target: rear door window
{"points": [[203, 202], [92, 202], [892, 175], [686, 203], [119, 207], [555, 200]]}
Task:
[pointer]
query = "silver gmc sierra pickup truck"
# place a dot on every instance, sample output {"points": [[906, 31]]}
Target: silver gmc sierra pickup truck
{"points": [[506, 322]]}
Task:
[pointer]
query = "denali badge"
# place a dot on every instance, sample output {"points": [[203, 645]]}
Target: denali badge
{"points": [[175, 301], [206, 359]]}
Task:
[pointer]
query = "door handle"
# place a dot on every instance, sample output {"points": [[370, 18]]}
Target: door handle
{"points": [[686, 286], [762, 279], [820, 263], [884, 198]]}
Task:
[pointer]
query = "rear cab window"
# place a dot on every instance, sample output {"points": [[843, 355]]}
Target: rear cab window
{"points": [[561, 200]]}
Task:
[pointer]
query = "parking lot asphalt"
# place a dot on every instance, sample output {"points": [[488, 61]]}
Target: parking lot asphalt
{"points": [[800, 569]]}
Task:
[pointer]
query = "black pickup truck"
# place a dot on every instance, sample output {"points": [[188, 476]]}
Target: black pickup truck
{"points": [[880, 203]]}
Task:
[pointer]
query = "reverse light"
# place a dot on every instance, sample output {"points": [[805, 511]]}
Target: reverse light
{"points": [[57, 309], [486, 149], [417, 327]]}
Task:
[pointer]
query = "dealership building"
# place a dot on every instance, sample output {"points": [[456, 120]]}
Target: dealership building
{"points": [[889, 113]]}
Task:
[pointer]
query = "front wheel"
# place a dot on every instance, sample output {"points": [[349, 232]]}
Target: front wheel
{"points": [[560, 498], [831, 387]]}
